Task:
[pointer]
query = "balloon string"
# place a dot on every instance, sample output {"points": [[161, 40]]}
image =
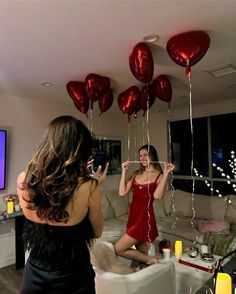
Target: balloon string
{"points": [[137, 161], [128, 142], [149, 177], [135, 140], [91, 119], [193, 179], [173, 211], [143, 130], [147, 122]]}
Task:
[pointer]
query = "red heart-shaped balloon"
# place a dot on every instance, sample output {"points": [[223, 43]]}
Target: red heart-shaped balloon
{"points": [[141, 63], [105, 101], [77, 92], [96, 86], [161, 87], [188, 48], [147, 98], [128, 99]]}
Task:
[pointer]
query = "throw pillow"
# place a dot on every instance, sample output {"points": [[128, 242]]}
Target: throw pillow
{"points": [[230, 215], [119, 204], [206, 226]]}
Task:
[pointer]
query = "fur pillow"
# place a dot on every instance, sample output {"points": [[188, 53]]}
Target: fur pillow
{"points": [[103, 256], [205, 226]]}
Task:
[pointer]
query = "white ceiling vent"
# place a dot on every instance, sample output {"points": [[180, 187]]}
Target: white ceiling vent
{"points": [[223, 70]]}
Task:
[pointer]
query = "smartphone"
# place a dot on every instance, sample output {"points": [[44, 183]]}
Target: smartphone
{"points": [[99, 159]]}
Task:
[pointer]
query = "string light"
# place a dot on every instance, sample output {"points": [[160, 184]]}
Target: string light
{"points": [[232, 163]]}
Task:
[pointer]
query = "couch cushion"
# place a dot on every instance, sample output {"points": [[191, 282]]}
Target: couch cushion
{"points": [[167, 201], [107, 210], [205, 207], [230, 214], [113, 230], [182, 228], [179, 201], [159, 210], [183, 203], [119, 204], [209, 207]]}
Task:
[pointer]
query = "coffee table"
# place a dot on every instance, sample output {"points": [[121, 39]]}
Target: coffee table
{"points": [[188, 279]]}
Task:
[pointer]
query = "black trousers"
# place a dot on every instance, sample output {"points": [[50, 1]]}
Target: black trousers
{"points": [[72, 280]]}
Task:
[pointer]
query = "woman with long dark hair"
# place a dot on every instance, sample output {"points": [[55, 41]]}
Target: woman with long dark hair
{"points": [[62, 206]]}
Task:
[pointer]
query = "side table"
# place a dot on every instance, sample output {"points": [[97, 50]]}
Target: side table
{"points": [[19, 248]]}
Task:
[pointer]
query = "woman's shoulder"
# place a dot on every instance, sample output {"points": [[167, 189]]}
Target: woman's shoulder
{"points": [[87, 187]]}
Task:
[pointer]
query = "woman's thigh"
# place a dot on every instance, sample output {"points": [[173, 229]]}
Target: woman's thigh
{"points": [[124, 243]]}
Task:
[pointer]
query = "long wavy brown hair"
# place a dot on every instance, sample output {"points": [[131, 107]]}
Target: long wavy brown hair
{"points": [[60, 161]]}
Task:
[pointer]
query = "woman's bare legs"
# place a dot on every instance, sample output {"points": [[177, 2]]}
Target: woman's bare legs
{"points": [[123, 248]]}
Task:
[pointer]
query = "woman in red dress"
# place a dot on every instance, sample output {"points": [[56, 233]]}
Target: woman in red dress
{"points": [[147, 184]]}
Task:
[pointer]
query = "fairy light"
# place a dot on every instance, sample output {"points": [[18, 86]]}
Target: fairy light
{"points": [[233, 170], [226, 198]]}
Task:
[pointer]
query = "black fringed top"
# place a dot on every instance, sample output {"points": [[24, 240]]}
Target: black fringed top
{"points": [[54, 247]]}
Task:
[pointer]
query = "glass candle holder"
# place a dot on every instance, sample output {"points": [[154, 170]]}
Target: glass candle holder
{"points": [[166, 253]]}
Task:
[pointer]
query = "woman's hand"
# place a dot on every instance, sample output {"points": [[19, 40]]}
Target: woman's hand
{"points": [[125, 165], [98, 174], [168, 167]]}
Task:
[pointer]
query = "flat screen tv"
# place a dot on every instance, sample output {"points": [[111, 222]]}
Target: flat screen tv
{"points": [[3, 147]]}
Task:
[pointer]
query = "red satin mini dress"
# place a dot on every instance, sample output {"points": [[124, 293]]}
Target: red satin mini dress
{"points": [[141, 223]]}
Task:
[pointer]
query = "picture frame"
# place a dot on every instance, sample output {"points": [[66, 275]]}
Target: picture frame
{"points": [[108, 149]]}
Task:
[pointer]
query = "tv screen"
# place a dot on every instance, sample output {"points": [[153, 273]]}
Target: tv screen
{"points": [[3, 145]]}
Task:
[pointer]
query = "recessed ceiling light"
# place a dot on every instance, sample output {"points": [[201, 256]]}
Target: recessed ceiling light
{"points": [[47, 84], [222, 70], [151, 38]]}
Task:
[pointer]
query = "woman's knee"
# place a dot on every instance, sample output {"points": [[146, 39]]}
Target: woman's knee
{"points": [[142, 247], [118, 249]]}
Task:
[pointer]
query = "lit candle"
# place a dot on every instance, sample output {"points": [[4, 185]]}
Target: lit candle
{"points": [[178, 248], [166, 253], [223, 284]]}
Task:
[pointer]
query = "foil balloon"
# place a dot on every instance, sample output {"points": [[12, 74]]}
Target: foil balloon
{"points": [[96, 86], [147, 98], [161, 88], [138, 107], [105, 101], [77, 93], [82, 106], [141, 63], [128, 100], [188, 48]]}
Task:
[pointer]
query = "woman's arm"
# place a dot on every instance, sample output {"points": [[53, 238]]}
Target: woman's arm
{"points": [[161, 187], [95, 210], [124, 187]]}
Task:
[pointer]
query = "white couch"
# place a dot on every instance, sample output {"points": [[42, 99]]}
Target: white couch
{"points": [[174, 215], [153, 279]]}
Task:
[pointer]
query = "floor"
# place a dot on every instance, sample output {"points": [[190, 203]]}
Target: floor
{"points": [[10, 279]]}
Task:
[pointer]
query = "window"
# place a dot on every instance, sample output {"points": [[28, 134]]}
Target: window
{"points": [[208, 148]]}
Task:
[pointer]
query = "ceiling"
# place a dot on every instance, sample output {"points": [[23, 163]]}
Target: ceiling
{"points": [[61, 41]]}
